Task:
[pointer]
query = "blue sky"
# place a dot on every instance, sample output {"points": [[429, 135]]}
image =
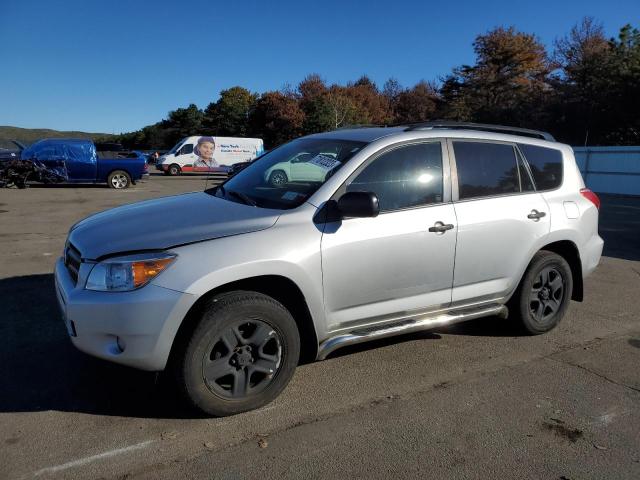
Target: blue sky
{"points": [[114, 66]]}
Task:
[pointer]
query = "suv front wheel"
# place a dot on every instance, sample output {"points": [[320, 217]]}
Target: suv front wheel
{"points": [[543, 296], [241, 355]]}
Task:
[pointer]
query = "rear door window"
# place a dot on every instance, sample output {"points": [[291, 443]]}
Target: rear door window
{"points": [[545, 165], [486, 169]]}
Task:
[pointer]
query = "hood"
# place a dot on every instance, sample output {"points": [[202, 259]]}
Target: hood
{"points": [[166, 222]]}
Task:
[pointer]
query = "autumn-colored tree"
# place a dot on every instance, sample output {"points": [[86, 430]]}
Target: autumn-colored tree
{"points": [[507, 84], [312, 87], [369, 106], [417, 104], [313, 97], [229, 115], [342, 110], [276, 118], [391, 91]]}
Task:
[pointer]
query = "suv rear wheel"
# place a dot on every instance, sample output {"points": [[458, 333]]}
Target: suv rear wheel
{"points": [[543, 296], [241, 355]]}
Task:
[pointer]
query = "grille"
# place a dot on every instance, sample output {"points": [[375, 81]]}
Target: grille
{"points": [[72, 260]]}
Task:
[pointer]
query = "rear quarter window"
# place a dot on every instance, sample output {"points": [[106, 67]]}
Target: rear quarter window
{"points": [[486, 169], [545, 164]]}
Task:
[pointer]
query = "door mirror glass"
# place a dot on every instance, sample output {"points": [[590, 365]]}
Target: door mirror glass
{"points": [[359, 204]]}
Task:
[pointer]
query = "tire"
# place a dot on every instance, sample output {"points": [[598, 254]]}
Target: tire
{"points": [[278, 178], [119, 179], [174, 169], [542, 298], [241, 337], [21, 182]]}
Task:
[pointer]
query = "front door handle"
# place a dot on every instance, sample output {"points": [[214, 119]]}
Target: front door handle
{"points": [[536, 215], [440, 227]]}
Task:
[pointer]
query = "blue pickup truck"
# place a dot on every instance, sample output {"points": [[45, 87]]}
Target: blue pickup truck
{"points": [[78, 161]]}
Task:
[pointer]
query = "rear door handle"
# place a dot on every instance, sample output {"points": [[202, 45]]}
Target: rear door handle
{"points": [[536, 215], [440, 227]]}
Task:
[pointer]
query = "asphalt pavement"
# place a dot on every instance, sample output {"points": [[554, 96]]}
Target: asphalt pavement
{"points": [[474, 400]]}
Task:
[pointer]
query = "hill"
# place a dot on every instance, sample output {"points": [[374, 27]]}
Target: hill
{"points": [[30, 135]]}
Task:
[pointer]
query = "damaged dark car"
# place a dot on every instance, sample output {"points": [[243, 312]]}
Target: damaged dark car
{"points": [[73, 161]]}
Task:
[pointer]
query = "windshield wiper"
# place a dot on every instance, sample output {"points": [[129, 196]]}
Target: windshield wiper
{"points": [[245, 198]]}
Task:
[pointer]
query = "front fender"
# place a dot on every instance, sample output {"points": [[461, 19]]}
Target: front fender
{"points": [[290, 249]]}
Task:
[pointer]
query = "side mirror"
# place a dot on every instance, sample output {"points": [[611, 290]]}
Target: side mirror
{"points": [[359, 204]]}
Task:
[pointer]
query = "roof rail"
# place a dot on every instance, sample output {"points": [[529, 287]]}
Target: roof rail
{"points": [[360, 125], [483, 127]]}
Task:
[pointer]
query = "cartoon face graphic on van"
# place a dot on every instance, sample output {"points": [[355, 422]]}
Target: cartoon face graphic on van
{"points": [[204, 150]]}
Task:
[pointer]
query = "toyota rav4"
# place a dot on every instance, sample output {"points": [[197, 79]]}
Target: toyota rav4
{"points": [[398, 230]]}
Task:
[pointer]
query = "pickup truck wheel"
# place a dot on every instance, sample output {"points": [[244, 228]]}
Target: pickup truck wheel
{"points": [[241, 355], [174, 169], [119, 179], [543, 296]]}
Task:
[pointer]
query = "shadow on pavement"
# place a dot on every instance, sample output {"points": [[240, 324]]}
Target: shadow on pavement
{"points": [[41, 370], [484, 327], [384, 342]]}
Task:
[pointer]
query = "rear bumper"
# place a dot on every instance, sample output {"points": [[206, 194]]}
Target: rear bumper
{"points": [[591, 255], [144, 322]]}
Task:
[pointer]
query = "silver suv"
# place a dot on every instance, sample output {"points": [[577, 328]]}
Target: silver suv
{"points": [[396, 230]]}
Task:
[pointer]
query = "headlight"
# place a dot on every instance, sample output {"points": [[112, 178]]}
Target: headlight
{"points": [[123, 274]]}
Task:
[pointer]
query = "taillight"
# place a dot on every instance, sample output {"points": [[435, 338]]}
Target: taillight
{"points": [[146, 167], [592, 197]]}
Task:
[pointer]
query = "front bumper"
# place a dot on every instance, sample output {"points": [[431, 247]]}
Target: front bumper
{"points": [[143, 321]]}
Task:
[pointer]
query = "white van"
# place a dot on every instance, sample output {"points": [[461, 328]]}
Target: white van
{"points": [[201, 153]]}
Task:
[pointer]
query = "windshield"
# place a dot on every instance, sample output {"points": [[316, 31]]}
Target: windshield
{"points": [[176, 146], [285, 177]]}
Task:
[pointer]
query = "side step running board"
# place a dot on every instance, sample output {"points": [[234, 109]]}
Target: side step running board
{"points": [[366, 334]]}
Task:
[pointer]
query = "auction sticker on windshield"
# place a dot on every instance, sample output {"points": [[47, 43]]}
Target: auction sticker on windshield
{"points": [[290, 195], [325, 162]]}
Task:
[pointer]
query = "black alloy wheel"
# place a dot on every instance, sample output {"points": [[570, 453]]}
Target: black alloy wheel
{"points": [[243, 359], [278, 179], [547, 294], [240, 354], [544, 293]]}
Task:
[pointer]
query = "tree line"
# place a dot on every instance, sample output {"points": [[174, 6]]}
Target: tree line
{"points": [[586, 91]]}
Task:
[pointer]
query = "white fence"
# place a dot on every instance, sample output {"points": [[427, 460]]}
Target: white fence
{"points": [[610, 169]]}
